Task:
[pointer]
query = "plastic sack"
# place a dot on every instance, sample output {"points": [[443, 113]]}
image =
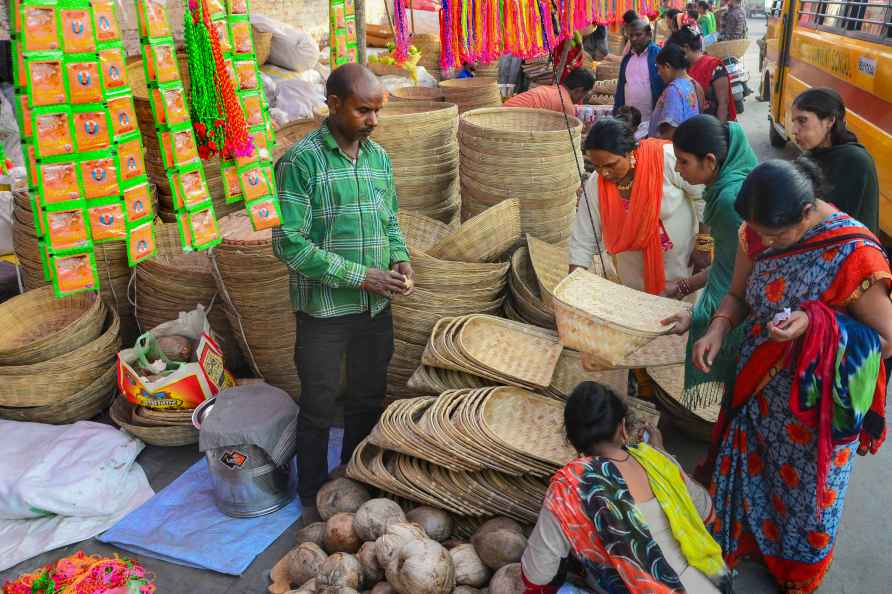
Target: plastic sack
{"points": [[290, 48], [270, 87], [297, 99], [6, 204]]}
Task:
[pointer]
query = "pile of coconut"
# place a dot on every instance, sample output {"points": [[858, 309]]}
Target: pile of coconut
{"points": [[367, 545]]}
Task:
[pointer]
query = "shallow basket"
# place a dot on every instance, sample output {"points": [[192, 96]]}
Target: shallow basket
{"points": [[606, 319], [121, 413], [735, 48], [484, 238], [519, 124], [417, 94]]}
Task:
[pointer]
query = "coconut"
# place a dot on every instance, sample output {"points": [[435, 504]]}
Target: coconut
{"points": [[507, 580], [382, 588], [304, 562], [368, 558], [498, 548], [374, 516], [422, 567], [469, 569], [499, 523], [340, 536], [466, 590], [453, 542], [397, 535], [314, 533], [340, 496], [176, 347], [340, 569], [436, 523]]}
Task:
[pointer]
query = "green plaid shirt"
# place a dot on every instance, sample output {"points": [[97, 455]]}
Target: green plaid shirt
{"points": [[338, 220]]}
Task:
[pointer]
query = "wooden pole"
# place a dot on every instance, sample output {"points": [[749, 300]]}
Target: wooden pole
{"points": [[412, 14], [359, 10]]}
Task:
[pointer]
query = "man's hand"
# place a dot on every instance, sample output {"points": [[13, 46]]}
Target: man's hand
{"points": [[405, 269], [384, 282]]}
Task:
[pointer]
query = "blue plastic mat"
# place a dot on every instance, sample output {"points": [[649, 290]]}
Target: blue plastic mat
{"points": [[182, 525]]}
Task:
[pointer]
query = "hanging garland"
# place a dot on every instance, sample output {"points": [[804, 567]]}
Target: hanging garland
{"points": [[484, 30]]}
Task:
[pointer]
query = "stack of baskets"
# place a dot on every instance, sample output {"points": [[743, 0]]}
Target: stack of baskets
{"points": [[254, 285], [602, 93], [490, 70], [607, 71], [429, 47], [525, 303], [420, 137], [525, 154], [166, 428], [417, 94], [175, 281], [111, 264], [616, 43], [472, 93], [57, 357]]}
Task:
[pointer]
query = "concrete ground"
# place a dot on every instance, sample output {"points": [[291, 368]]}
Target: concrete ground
{"points": [[864, 539]]}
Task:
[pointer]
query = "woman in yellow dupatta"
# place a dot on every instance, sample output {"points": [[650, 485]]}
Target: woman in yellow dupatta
{"points": [[628, 514]]}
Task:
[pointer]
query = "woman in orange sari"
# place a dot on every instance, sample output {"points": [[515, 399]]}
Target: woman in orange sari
{"points": [[811, 289]]}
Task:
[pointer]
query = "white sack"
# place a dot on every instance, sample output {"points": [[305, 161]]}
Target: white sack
{"points": [[291, 48]]}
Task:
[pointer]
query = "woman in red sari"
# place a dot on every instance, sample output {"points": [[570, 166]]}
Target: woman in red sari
{"points": [[710, 74], [811, 288]]}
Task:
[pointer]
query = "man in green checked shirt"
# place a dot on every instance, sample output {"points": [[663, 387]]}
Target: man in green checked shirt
{"points": [[347, 258]]}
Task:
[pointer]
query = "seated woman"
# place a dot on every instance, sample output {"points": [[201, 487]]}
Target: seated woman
{"points": [[628, 514], [682, 98], [636, 208]]}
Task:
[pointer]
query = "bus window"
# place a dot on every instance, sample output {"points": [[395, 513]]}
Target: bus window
{"points": [[868, 17]]}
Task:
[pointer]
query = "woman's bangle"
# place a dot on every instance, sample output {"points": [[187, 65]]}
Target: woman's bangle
{"points": [[720, 316], [684, 287]]}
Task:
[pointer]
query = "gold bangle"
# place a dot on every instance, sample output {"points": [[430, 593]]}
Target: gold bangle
{"points": [[725, 317]]}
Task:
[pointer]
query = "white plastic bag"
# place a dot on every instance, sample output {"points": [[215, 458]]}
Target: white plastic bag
{"points": [[291, 48], [6, 204], [298, 98]]}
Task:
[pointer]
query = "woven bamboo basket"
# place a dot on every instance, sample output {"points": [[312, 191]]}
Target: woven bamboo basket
{"points": [[417, 94], [517, 125], [420, 232], [607, 71], [551, 264], [606, 319], [697, 423], [263, 41], [735, 48], [54, 325], [122, 413], [485, 238], [472, 93], [429, 47], [83, 405], [254, 285]]}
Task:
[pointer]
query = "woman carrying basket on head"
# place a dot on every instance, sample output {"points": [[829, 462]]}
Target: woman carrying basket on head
{"points": [[628, 514], [811, 290]]}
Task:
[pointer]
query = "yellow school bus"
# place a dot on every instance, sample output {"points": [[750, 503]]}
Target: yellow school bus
{"points": [[845, 45]]}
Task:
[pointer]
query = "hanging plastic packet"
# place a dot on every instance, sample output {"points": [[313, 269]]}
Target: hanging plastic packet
{"points": [[73, 273], [137, 202], [67, 229], [58, 183], [169, 105], [264, 213], [122, 115], [77, 31], [45, 79], [91, 130], [130, 158], [23, 113], [185, 231], [178, 147], [84, 83], [223, 35], [232, 189], [246, 70], [242, 42], [237, 6], [114, 70], [203, 225], [17, 14], [153, 20], [107, 220], [216, 9], [253, 107], [52, 132], [261, 143], [140, 243], [193, 188], [100, 177], [254, 183], [41, 32], [161, 66], [107, 25]]}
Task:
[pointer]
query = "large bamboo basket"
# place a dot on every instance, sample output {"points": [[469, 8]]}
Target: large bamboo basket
{"points": [[472, 93], [736, 48]]}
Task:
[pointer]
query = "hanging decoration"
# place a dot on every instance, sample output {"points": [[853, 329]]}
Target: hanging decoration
{"points": [[173, 124], [342, 32], [81, 573], [483, 30], [82, 148]]}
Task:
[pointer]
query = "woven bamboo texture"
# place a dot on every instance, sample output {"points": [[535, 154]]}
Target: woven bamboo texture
{"points": [[417, 94], [735, 48], [472, 93], [123, 414], [83, 405], [551, 264], [525, 292], [607, 71], [697, 423], [485, 238], [37, 326], [569, 373], [421, 232], [253, 283], [606, 319]]}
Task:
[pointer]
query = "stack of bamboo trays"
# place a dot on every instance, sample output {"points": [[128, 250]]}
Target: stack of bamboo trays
{"points": [[472, 93]]}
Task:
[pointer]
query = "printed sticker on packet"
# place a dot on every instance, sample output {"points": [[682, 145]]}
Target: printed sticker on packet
{"points": [[73, 274], [107, 221], [40, 30], [114, 71], [107, 25], [46, 80], [130, 158], [216, 9], [52, 131], [67, 229], [264, 213], [58, 183], [153, 19], [91, 130], [100, 177], [137, 203], [140, 243], [122, 115], [83, 80], [254, 183], [77, 31]]}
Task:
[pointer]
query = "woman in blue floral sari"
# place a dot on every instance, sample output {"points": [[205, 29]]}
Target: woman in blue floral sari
{"points": [[811, 290], [682, 98]]}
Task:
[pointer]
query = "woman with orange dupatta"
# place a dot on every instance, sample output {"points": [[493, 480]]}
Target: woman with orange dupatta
{"points": [[638, 209], [811, 290]]}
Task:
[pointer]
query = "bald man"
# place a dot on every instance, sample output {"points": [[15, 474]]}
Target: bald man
{"points": [[347, 258]]}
